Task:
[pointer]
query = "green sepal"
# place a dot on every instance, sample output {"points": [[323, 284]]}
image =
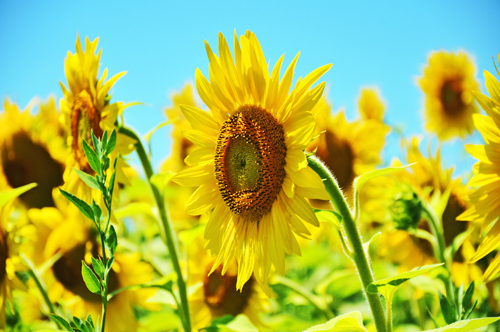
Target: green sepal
{"points": [[88, 179], [90, 279], [81, 205], [61, 321]]}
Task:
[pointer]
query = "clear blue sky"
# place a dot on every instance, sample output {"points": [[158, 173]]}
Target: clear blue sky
{"points": [[160, 44]]}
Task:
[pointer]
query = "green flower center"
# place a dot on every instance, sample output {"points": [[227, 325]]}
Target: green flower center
{"points": [[250, 162], [84, 118], [23, 162]]}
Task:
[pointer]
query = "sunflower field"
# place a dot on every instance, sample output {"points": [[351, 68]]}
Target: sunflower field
{"points": [[273, 211]]}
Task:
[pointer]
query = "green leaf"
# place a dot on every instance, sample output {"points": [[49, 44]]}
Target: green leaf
{"points": [[432, 317], [448, 309], [9, 195], [96, 143], [110, 262], [111, 240], [328, 216], [98, 268], [104, 142], [79, 323], [112, 179], [61, 321], [471, 309], [111, 143], [96, 209], [24, 276], [240, 323], [214, 325], [459, 298], [466, 325], [90, 321], [92, 157], [88, 179], [81, 205], [388, 286], [90, 279], [467, 301], [352, 322]]}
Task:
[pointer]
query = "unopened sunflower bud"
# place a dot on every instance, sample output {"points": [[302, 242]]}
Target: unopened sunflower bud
{"points": [[407, 211]]}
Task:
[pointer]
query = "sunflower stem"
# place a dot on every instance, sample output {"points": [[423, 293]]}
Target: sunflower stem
{"points": [[440, 248], [359, 256], [168, 234]]}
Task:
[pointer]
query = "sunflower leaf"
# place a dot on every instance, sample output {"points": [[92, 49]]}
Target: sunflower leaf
{"points": [[88, 179], [467, 300], [466, 325], [448, 310], [352, 321], [98, 267], [111, 240], [92, 157], [96, 143], [97, 212], [90, 279], [471, 309], [328, 216], [81, 205], [111, 143], [61, 321]]}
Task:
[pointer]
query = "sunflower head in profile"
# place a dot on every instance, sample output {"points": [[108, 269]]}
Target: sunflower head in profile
{"points": [[447, 82], [86, 108], [32, 149], [250, 167], [485, 184]]}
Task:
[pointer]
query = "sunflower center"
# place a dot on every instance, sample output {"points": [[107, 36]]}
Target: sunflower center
{"points": [[221, 294], [451, 226], [84, 118], [451, 97], [3, 258], [68, 271], [24, 162], [250, 161], [339, 157]]}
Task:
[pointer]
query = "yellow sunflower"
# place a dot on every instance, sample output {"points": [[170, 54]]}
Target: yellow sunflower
{"points": [[428, 180], [486, 180], [447, 82], [86, 107], [11, 231], [32, 149], [66, 237], [251, 168], [215, 295], [350, 149]]}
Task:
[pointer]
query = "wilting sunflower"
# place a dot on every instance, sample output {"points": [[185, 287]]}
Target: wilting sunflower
{"points": [[65, 238], [486, 180], [350, 149], [215, 295], [447, 83], [251, 168], [32, 149], [86, 107]]}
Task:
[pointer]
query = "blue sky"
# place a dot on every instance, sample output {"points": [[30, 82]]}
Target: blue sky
{"points": [[160, 44]]}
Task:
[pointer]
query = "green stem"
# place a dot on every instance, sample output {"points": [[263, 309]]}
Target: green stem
{"points": [[440, 248], [305, 293], [358, 253], [104, 296], [168, 234]]}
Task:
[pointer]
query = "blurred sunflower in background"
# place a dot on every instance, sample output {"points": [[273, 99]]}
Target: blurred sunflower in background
{"points": [[215, 295], [85, 108], [350, 149], [32, 149], [64, 239], [447, 83], [485, 184], [251, 168]]}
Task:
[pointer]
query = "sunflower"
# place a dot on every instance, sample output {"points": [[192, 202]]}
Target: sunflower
{"points": [[486, 180], [429, 181], [32, 149], [64, 239], [215, 295], [447, 82], [251, 168], [12, 230], [350, 149], [175, 194], [86, 107]]}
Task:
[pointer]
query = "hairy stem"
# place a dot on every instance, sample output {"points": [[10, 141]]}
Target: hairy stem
{"points": [[358, 254], [168, 234]]}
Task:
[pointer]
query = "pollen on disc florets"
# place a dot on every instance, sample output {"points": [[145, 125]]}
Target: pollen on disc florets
{"points": [[84, 118], [250, 161]]}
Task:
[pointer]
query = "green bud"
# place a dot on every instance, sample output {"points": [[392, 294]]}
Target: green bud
{"points": [[406, 211]]}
